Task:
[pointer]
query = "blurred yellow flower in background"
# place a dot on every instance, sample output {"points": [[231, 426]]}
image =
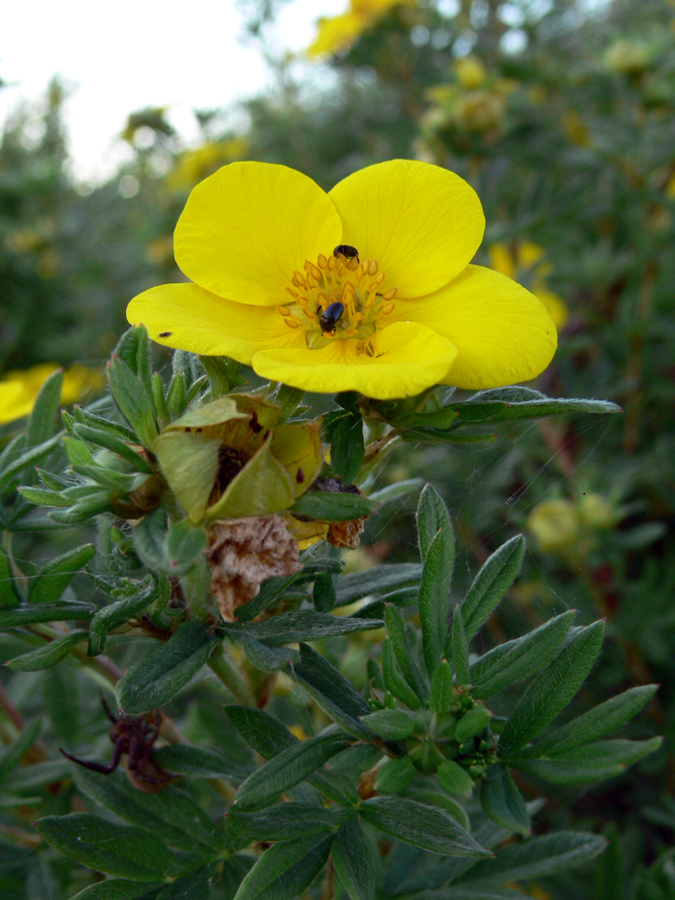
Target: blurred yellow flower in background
{"points": [[19, 388], [193, 166], [567, 528], [338, 33], [470, 72], [528, 264], [367, 288]]}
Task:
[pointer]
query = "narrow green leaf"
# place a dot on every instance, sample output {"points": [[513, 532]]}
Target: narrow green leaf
{"points": [[13, 754], [517, 402], [153, 681], [440, 800], [54, 578], [423, 826], [440, 698], [100, 844], [535, 858], [54, 612], [133, 400], [399, 491], [553, 689], [323, 593], [520, 658], [119, 612], [390, 724], [303, 625], [43, 496], [86, 417], [502, 801], [432, 517], [399, 640], [339, 507], [492, 582], [355, 861], [434, 600], [288, 400], [380, 580], [10, 596], [172, 815], [395, 775], [285, 821], [42, 424], [262, 656], [195, 762], [104, 438], [332, 691], [117, 889], [286, 869], [48, 655], [589, 763], [159, 399], [394, 680], [597, 722], [78, 452], [347, 449], [460, 648], [454, 779], [28, 459], [289, 768], [473, 723]]}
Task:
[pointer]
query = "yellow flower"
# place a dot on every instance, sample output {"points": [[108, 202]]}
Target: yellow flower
{"points": [[470, 72], [367, 288], [338, 33], [194, 165], [527, 262], [19, 389]]}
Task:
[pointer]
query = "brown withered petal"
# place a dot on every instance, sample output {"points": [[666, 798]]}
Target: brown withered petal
{"points": [[346, 534], [243, 553]]}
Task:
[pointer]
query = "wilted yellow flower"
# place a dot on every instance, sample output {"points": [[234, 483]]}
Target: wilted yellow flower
{"points": [[528, 262], [479, 111], [19, 388], [338, 33], [367, 288], [229, 459]]}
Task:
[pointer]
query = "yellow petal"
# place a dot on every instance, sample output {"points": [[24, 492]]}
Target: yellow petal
{"points": [[247, 227], [502, 332], [421, 223], [406, 359], [501, 260], [554, 303], [185, 317], [298, 449], [14, 401]]}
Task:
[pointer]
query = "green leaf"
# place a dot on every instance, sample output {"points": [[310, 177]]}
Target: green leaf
{"points": [[289, 768], [390, 724], [492, 582], [28, 459], [262, 656], [54, 612], [460, 648], [10, 596], [510, 403], [48, 655], [553, 689], [153, 681], [288, 400], [14, 753], [449, 804], [521, 658], [394, 680], [535, 858], [589, 763], [441, 696], [171, 551], [356, 864], [597, 722], [86, 417], [119, 612], [42, 424], [454, 779], [111, 848], [171, 814], [398, 491], [133, 400], [117, 889], [195, 762], [302, 625], [323, 593], [51, 581], [43, 496], [330, 507], [379, 580], [423, 826], [331, 690], [404, 657], [434, 600], [285, 821], [78, 452], [286, 869], [432, 517], [345, 433], [395, 775], [472, 723], [104, 438], [502, 801]]}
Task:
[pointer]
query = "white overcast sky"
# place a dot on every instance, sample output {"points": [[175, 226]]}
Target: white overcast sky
{"points": [[124, 55]]}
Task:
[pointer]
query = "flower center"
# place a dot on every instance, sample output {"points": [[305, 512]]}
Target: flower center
{"points": [[338, 297]]}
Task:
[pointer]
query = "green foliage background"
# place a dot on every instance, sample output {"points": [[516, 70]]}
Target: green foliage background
{"points": [[569, 144]]}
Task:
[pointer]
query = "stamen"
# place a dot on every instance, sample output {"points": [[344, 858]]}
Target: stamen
{"points": [[283, 310], [388, 309], [292, 323]]}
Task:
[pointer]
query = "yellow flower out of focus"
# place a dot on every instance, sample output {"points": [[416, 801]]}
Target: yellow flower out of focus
{"points": [[527, 261], [566, 528], [367, 288], [338, 33], [192, 166], [19, 389], [470, 72]]}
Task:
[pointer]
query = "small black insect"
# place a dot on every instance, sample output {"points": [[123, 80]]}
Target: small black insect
{"points": [[346, 251], [331, 316]]}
